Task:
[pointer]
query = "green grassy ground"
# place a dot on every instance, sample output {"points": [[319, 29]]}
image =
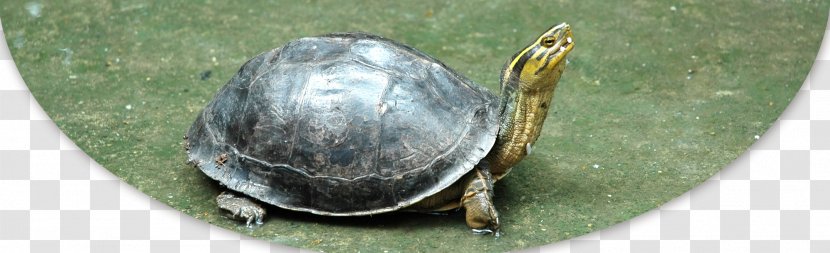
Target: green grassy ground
{"points": [[658, 97]]}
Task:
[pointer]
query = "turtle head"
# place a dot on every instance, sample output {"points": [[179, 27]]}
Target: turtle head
{"points": [[540, 64]]}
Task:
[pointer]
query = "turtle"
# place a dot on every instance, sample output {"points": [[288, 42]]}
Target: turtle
{"points": [[352, 124]]}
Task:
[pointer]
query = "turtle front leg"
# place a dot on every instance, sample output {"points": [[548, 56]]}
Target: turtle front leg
{"points": [[477, 200], [241, 208]]}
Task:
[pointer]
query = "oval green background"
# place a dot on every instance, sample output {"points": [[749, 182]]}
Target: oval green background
{"points": [[658, 96]]}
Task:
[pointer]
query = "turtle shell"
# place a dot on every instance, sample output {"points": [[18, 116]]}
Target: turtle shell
{"points": [[343, 124]]}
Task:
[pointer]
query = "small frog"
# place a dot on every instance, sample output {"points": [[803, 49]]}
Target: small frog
{"points": [[241, 208]]}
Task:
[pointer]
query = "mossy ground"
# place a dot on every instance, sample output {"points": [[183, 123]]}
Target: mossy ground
{"points": [[658, 96]]}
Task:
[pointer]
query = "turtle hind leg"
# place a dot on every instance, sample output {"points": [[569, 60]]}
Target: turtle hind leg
{"points": [[481, 214], [241, 208]]}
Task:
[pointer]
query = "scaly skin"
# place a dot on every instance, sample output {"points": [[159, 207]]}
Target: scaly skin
{"points": [[521, 129]]}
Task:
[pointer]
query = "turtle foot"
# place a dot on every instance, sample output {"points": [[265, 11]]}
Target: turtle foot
{"points": [[241, 208], [481, 214]]}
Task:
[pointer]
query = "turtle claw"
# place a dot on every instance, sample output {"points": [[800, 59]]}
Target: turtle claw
{"points": [[253, 220], [487, 231]]}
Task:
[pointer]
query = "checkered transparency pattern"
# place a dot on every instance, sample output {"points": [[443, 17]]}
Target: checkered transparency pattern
{"points": [[54, 198]]}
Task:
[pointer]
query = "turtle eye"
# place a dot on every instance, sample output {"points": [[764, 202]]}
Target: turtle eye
{"points": [[548, 41]]}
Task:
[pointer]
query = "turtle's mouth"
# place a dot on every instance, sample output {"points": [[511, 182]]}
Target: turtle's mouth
{"points": [[566, 41]]}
